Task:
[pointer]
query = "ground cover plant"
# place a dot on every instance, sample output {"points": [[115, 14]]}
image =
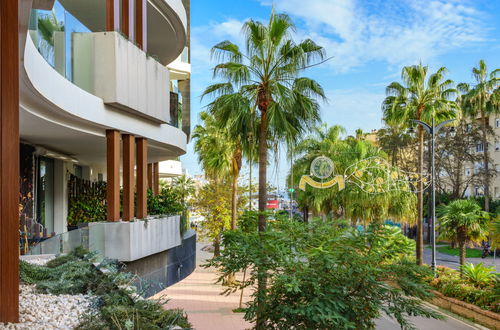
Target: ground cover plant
{"points": [[323, 276], [470, 253], [478, 285], [118, 304]]}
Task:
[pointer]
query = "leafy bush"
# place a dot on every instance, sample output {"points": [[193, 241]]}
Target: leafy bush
{"points": [[451, 284], [322, 276], [479, 274], [391, 241], [167, 202], [119, 305]]}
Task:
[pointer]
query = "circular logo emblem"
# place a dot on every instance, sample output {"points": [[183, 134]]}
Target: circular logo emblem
{"points": [[322, 167]]}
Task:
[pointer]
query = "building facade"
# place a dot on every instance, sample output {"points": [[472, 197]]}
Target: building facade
{"points": [[96, 75]]}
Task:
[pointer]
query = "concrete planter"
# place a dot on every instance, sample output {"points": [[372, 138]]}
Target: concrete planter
{"points": [[474, 313], [129, 241]]}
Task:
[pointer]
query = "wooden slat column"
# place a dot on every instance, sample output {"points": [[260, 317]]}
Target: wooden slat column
{"points": [[112, 15], [9, 163], [150, 176], [156, 178], [113, 175], [141, 24], [128, 176], [141, 187], [128, 17]]}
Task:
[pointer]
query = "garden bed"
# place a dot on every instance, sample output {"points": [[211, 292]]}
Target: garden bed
{"points": [[486, 318], [81, 290]]}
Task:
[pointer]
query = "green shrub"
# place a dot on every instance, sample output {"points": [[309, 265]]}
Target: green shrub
{"points": [[479, 274], [449, 283], [120, 306], [322, 276]]}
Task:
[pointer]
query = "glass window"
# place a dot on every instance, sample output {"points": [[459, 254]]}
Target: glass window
{"points": [[497, 123], [45, 193], [497, 192], [479, 147], [497, 145]]}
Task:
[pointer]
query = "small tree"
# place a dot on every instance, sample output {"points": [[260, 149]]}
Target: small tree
{"points": [[464, 222], [325, 276], [455, 151]]}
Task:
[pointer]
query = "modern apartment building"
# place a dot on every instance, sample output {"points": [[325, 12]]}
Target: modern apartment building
{"points": [[104, 96]]}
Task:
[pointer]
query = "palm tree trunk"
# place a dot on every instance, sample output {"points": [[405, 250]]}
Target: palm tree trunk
{"points": [[234, 201], [462, 254], [262, 276], [420, 199], [263, 171], [486, 165]]}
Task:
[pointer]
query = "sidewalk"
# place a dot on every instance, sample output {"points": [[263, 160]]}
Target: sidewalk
{"points": [[207, 309], [448, 260]]}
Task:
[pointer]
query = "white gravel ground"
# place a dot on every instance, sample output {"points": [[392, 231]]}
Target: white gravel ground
{"points": [[46, 311]]}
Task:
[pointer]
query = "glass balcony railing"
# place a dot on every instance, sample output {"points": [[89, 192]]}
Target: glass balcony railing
{"points": [[52, 33], [175, 109], [185, 55]]}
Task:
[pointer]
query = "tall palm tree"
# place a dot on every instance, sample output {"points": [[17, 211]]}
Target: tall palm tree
{"points": [[478, 103], [267, 74], [422, 96], [463, 221]]}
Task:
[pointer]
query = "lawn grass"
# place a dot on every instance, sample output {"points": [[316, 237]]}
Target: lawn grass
{"points": [[469, 253]]}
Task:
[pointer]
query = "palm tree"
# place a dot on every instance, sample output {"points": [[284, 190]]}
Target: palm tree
{"points": [[479, 102], [352, 202], [422, 97], [463, 221], [267, 75], [215, 153]]}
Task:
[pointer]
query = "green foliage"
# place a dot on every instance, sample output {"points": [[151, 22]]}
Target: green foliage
{"points": [[88, 203], [479, 274], [324, 276], [167, 202], [391, 241], [120, 307], [352, 202], [462, 221], [450, 283]]}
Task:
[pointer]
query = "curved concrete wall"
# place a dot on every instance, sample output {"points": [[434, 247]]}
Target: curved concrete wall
{"points": [[49, 95]]}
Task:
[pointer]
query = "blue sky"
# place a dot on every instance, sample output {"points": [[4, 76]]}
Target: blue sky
{"points": [[370, 41]]}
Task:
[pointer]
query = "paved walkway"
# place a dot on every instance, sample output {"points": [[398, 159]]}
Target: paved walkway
{"points": [[453, 261], [207, 309]]}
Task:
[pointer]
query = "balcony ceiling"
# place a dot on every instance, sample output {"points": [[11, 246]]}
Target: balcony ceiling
{"points": [[166, 24]]}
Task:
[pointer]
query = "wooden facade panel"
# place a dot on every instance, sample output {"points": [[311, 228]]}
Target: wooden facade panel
{"points": [[112, 15], [141, 24], [141, 187], [113, 175], [156, 178], [150, 176], [9, 164], [128, 176]]}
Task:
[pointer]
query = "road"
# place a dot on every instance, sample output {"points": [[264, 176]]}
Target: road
{"points": [[453, 261], [207, 309]]}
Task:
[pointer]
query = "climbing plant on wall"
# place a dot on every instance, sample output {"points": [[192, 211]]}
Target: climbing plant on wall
{"points": [[86, 201]]}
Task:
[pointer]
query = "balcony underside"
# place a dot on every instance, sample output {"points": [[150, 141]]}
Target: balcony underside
{"points": [[166, 24]]}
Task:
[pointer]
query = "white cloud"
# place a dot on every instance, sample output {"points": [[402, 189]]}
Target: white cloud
{"points": [[357, 32]]}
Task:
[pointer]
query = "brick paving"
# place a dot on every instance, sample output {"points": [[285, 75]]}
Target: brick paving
{"points": [[207, 309]]}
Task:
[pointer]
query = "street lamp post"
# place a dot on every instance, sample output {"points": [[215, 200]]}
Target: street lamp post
{"points": [[433, 130]]}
